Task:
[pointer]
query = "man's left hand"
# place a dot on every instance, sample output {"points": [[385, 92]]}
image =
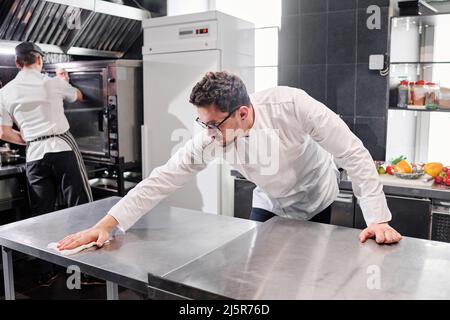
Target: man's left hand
{"points": [[382, 232]]}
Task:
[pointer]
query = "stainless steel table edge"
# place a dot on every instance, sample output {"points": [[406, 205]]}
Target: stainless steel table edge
{"points": [[63, 261], [160, 287], [163, 288]]}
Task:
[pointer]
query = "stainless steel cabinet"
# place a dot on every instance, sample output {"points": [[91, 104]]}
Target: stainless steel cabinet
{"points": [[343, 210], [410, 216]]}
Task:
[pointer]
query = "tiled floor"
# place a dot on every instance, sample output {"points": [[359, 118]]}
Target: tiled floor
{"points": [[27, 286]]}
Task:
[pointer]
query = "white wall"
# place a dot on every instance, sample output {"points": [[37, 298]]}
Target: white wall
{"points": [[262, 13], [265, 14], [177, 7]]}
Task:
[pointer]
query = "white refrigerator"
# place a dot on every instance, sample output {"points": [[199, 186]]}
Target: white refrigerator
{"points": [[177, 52]]}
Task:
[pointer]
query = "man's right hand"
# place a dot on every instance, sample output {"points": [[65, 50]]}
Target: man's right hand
{"points": [[97, 234], [62, 74]]}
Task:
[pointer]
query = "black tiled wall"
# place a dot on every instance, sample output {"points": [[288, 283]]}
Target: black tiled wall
{"points": [[324, 49]]}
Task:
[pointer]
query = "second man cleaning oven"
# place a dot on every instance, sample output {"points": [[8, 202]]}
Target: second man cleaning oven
{"points": [[35, 103]]}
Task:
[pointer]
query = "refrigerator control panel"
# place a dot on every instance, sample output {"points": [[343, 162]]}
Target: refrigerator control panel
{"points": [[191, 32]]}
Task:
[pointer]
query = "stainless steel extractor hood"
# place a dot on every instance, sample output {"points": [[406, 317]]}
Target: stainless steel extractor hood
{"points": [[86, 27]]}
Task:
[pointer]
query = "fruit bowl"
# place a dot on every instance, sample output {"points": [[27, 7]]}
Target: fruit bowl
{"points": [[409, 176]]}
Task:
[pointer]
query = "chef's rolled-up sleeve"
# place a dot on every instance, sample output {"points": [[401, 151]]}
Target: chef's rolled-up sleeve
{"points": [[68, 91], [330, 131], [162, 181]]}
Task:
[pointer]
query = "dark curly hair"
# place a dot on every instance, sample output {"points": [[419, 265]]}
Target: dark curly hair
{"points": [[223, 89]]}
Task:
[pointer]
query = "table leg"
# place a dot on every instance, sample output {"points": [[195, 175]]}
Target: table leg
{"points": [[112, 291], [8, 274]]}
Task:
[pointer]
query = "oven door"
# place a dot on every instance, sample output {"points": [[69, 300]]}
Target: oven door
{"points": [[88, 119]]}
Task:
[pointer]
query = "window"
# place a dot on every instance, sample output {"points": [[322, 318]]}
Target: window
{"points": [[438, 149], [267, 20], [265, 14], [178, 7]]}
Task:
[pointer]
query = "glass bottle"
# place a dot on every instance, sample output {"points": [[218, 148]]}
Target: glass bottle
{"points": [[419, 93], [432, 96], [403, 94]]}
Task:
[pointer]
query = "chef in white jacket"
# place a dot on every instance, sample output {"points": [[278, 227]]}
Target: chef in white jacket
{"points": [[300, 181]]}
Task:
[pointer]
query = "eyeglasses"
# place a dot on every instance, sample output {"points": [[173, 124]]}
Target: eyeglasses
{"points": [[215, 126]]}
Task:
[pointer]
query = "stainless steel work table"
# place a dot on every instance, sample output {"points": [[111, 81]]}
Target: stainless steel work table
{"points": [[164, 240], [13, 169], [286, 259]]}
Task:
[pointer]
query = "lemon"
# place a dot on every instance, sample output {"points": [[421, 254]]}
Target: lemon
{"points": [[433, 168]]}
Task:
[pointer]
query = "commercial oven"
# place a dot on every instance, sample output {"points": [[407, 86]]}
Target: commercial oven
{"points": [[106, 124]]}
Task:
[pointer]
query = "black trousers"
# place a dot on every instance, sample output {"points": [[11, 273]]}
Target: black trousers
{"points": [[262, 215], [56, 172]]}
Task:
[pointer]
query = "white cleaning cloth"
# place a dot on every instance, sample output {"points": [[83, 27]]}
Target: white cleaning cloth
{"points": [[54, 246]]}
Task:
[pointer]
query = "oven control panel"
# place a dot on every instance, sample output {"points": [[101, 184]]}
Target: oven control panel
{"points": [[113, 126]]}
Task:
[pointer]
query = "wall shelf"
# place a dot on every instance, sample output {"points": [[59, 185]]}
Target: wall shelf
{"points": [[420, 62], [419, 51]]}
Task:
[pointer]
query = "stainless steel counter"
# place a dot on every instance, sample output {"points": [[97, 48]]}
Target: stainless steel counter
{"points": [[8, 170], [165, 239], [286, 259], [434, 192]]}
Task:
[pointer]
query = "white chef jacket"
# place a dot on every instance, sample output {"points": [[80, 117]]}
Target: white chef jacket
{"points": [[298, 181], [35, 103]]}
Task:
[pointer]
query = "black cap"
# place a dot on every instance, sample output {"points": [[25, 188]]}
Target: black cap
{"points": [[26, 47]]}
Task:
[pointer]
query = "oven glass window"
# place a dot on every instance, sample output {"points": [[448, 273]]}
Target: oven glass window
{"points": [[86, 118]]}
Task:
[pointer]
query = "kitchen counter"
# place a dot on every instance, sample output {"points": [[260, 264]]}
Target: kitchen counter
{"points": [[162, 241], [289, 259], [8, 170], [180, 253], [432, 192]]}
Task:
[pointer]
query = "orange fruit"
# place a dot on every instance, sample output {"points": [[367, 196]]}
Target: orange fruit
{"points": [[403, 167], [433, 169]]}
